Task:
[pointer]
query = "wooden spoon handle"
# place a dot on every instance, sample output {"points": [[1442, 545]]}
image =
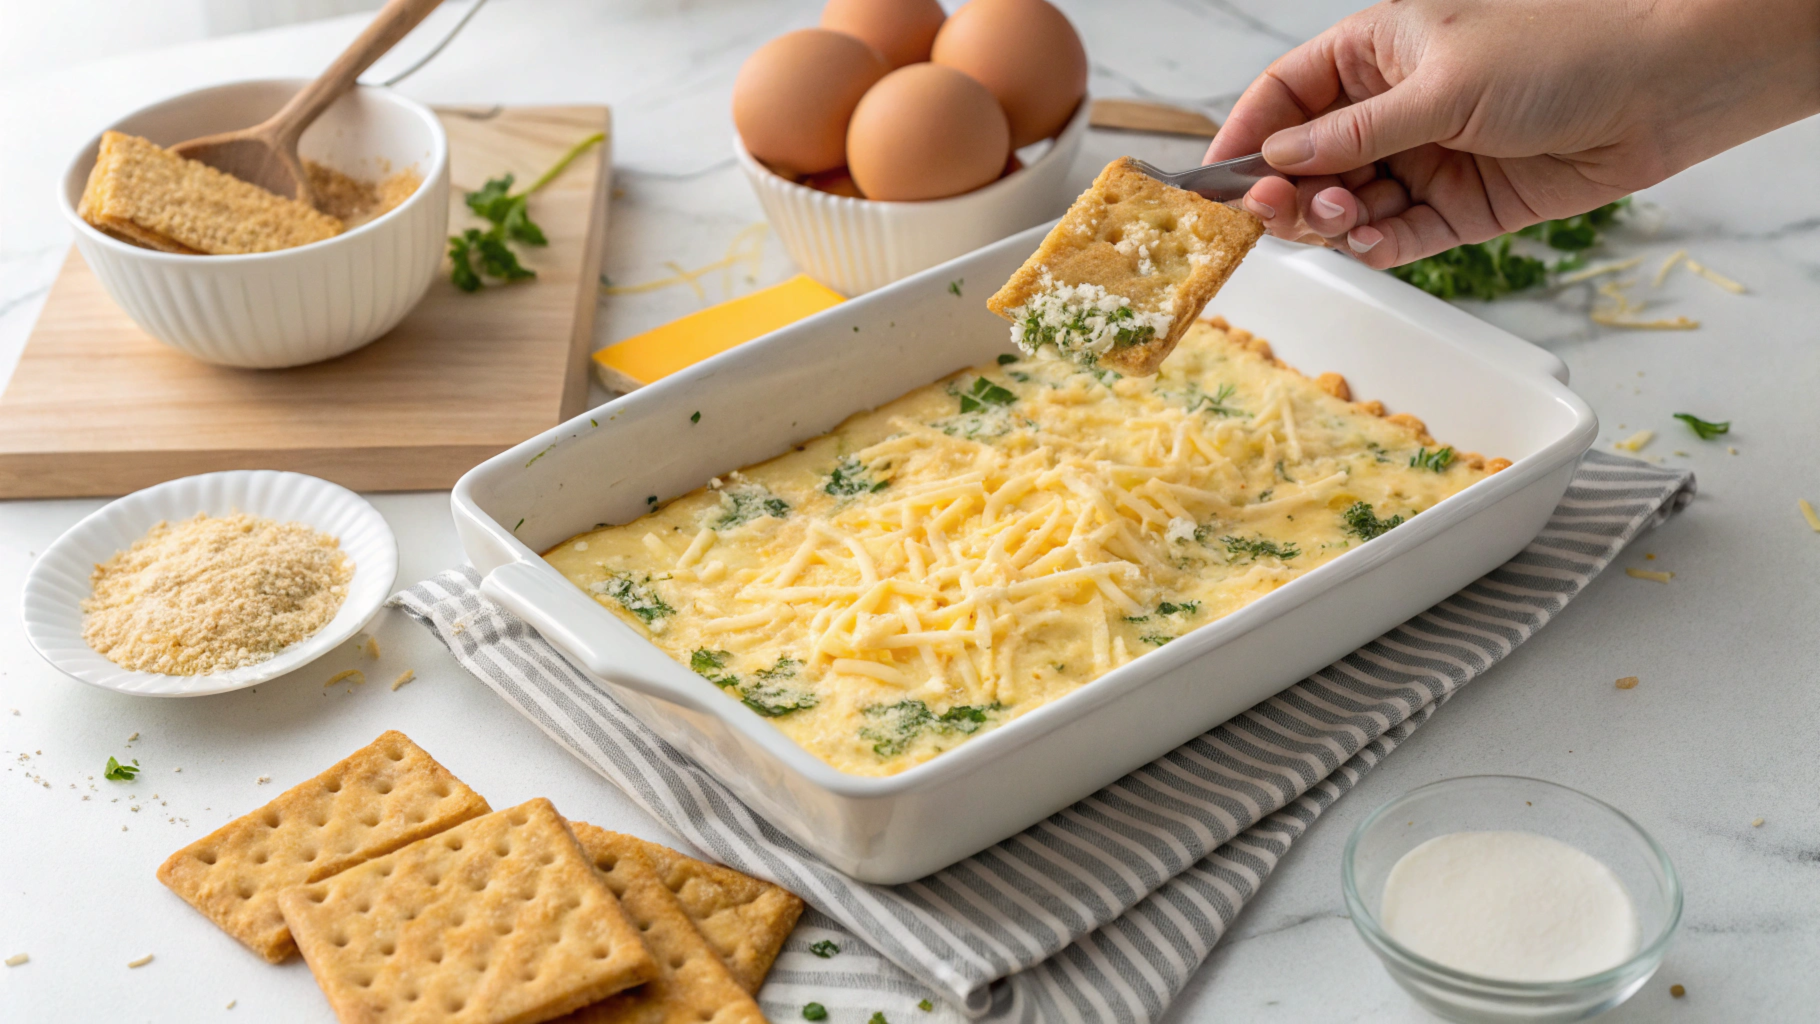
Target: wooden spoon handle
{"points": [[394, 21]]}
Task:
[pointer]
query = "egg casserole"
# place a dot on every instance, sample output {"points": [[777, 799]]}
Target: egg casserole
{"points": [[988, 543]]}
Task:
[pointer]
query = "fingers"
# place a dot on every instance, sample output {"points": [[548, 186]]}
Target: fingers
{"points": [[1273, 102], [1362, 133], [1417, 232]]}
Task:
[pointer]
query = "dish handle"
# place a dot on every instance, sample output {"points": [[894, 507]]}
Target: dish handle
{"points": [[554, 607]]}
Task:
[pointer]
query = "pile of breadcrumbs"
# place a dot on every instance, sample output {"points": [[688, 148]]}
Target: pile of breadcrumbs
{"points": [[214, 593]]}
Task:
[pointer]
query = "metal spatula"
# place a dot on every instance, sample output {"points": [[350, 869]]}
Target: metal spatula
{"points": [[266, 154], [1222, 182]]}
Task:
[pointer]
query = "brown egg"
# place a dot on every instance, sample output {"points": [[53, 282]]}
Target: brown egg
{"points": [[794, 97], [1027, 53], [924, 132], [902, 30]]}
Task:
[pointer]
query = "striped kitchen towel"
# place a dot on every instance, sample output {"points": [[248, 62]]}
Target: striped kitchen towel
{"points": [[1103, 911]]}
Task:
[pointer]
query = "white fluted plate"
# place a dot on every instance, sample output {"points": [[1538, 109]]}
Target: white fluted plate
{"points": [[59, 581]]}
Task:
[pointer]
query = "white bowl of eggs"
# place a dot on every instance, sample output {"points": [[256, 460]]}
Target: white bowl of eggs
{"points": [[895, 137]]}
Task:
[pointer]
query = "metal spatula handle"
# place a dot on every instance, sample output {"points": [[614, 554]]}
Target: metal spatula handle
{"points": [[1221, 182]]}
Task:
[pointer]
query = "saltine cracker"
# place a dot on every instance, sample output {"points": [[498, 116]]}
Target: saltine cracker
{"points": [[499, 920], [1164, 250], [692, 983], [385, 795]]}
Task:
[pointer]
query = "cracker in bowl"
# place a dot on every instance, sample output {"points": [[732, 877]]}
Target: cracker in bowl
{"points": [[1125, 273]]}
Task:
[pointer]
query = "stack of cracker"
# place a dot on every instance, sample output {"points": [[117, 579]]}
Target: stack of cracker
{"points": [[412, 900], [142, 193]]}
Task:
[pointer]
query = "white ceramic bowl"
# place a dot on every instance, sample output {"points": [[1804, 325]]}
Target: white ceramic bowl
{"points": [[856, 245], [1474, 385], [293, 306], [59, 580]]}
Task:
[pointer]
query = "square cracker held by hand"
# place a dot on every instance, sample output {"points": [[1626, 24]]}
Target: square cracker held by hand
{"points": [[692, 984], [745, 919], [381, 797], [1126, 272], [499, 920]]}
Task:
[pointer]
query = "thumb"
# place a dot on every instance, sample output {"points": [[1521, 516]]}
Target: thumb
{"points": [[1362, 133]]}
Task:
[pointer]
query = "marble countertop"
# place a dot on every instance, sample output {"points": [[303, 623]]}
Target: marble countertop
{"points": [[1719, 733]]}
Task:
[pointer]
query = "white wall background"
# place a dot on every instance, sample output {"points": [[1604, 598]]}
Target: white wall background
{"points": [[37, 36]]}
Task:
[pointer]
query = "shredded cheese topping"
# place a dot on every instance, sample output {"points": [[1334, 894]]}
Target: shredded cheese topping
{"points": [[988, 543]]}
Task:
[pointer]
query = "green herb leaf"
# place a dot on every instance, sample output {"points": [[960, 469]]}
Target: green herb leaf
{"points": [[1006, 359], [1363, 522], [1259, 547], [1707, 430], [498, 260], [744, 502], [461, 260], [695, 417], [1156, 638], [849, 478], [815, 1011], [984, 393], [1437, 460], [1184, 608], [954, 286], [511, 219], [824, 949], [878, 1017], [708, 664], [925, 1006], [1488, 270], [772, 699], [900, 724], [636, 595], [117, 772]]}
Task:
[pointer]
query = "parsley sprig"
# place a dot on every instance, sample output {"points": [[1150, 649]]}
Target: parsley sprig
{"points": [[1705, 429], [117, 772], [1365, 524], [1488, 270], [475, 254], [1437, 460]]}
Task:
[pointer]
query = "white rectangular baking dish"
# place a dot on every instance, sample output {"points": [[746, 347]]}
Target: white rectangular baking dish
{"points": [[1477, 387]]}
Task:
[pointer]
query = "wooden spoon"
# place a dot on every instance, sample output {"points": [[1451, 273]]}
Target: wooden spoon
{"points": [[266, 154]]}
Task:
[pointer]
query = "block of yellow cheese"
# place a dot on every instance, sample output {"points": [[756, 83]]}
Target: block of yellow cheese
{"points": [[655, 354]]}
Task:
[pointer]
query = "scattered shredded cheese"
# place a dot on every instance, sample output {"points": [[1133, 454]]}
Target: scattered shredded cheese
{"points": [[1628, 683], [1668, 265], [351, 673], [1649, 574], [1808, 513], [1599, 271], [1636, 441], [1715, 277], [141, 962], [404, 677], [18, 958]]}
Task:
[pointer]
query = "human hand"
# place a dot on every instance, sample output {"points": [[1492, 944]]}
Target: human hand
{"points": [[1417, 125]]}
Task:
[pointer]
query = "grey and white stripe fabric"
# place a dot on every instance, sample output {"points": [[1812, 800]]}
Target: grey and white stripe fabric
{"points": [[1103, 911]]}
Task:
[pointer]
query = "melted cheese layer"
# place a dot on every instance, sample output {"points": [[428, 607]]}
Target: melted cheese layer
{"points": [[988, 543]]}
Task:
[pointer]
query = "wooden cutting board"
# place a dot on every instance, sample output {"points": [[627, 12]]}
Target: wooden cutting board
{"points": [[98, 407]]}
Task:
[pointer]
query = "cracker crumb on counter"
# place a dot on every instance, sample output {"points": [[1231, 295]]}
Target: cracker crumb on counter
{"points": [[1649, 574], [1628, 683], [1756, 823]]}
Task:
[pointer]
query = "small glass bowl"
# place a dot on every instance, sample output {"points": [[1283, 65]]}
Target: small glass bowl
{"points": [[1477, 803]]}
